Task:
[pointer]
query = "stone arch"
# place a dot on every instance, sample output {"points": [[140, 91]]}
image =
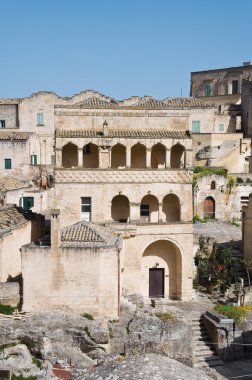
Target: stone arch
{"points": [[177, 156], [69, 155], [171, 208], [138, 156], [161, 270], [158, 156], [149, 209], [90, 156], [120, 209], [118, 156], [209, 208], [213, 185]]}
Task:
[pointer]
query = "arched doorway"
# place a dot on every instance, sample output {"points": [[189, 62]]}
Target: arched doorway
{"points": [[120, 209], [90, 156], [171, 208], [158, 154], [149, 209], [69, 156], [138, 156], [161, 270], [118, 156], [209, 208], [177, 156]]}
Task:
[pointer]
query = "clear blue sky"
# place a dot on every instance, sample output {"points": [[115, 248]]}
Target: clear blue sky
{"points": [[118, 47]]}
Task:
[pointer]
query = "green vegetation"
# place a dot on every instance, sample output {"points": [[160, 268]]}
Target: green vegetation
{"points": [[239, 180], [88, 316], [7, 345], [20, 377], [7, 309], [231, 181], [87, 331], [165, 317], [234, 312], [201, 171], [197, 218], [234, 222], [37, 362]]}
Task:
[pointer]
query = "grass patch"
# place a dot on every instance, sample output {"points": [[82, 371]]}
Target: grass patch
{"points": [[234, 312], [20, 377], [37, 362], [165, 317], [7, 345], [88, 316]]}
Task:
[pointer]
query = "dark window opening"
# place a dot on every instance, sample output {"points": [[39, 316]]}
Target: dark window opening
{"points": [[235, 87], [2, 123], [144, 210], [7, 163]]}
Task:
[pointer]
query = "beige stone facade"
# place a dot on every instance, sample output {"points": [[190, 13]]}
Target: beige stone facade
{"points": [[246, 229]]}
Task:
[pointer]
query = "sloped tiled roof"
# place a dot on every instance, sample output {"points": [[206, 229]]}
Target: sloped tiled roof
{"points": [[4, 135], [12, 183], [134, 133], [10, 101], [185, 102], [12, 216], [87, 234], [150, 103], [95, 102]]}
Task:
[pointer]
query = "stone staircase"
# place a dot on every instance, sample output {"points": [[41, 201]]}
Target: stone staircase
{"points": [[204, 352]]}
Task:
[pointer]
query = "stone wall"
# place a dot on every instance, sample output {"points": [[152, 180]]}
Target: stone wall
{"points": [[9, 113], [9, 293]]}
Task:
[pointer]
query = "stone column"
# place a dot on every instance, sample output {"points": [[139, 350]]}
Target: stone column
{"points": [[128, 157], [189, 158], [134, 212], [80, 158], [148, 158], [104, 158], [160, 213], [58, 152], [168, 158]]}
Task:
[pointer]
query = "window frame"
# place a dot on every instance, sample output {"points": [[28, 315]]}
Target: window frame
{"points": [[2, 124], [207, 89], [86, 202], [221, 129], [7, 163], [196, 130], [144, 209], [40, 118], [34, 159]]}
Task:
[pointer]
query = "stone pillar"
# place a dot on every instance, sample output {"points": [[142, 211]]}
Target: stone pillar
{"points": [[185, 159], [58, 152], [189, 158], [80, 158], [168, 158], [104, 158], [160, 213], [134, 212], [148, 158], [55, 230], [128, 157]]}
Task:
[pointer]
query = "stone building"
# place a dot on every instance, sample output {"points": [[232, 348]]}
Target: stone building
{"points": [[122, 166], [17, 227], [246, 229]]}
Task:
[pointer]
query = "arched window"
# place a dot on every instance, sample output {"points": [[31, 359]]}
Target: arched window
{"points": [[213, 185], [158, 154], [171, 208], [118, 156], [120, 209], [138, 156], [177, 156], [209, 208], [90, 156], [149, 209], [70, 156]]}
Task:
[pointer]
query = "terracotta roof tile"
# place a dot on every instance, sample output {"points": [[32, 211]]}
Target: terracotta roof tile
{"points": [[4, 135], [84, 233], [10, 101], [12, 183], [12, 216], [185, 102], [125, 133], [95, 102]]}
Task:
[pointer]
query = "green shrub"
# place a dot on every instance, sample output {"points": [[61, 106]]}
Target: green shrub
{"points": [[239, 180], [37, 362], [20, 377], [234, 312], [88, 316], [165, 316], [197, 218], [7, 309]]}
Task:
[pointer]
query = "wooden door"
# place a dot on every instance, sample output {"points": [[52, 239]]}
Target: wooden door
{"points": [[209, 208], [156, 282]]}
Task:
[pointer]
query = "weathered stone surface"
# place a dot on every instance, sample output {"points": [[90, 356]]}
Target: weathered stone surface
{"points": [[19, 359]]}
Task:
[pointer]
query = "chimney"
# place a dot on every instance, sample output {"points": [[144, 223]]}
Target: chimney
{"points": [[55, 229], [248, 63]]}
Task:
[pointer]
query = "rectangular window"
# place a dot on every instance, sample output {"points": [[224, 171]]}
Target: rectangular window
{"points": [[144, 210], [196, 126], [27, 202], [7, 163], [221, 127], [40, 118], [87, 149], [235, 87], [2, 123], [34, 159], [207, 90], [86, 209]]}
